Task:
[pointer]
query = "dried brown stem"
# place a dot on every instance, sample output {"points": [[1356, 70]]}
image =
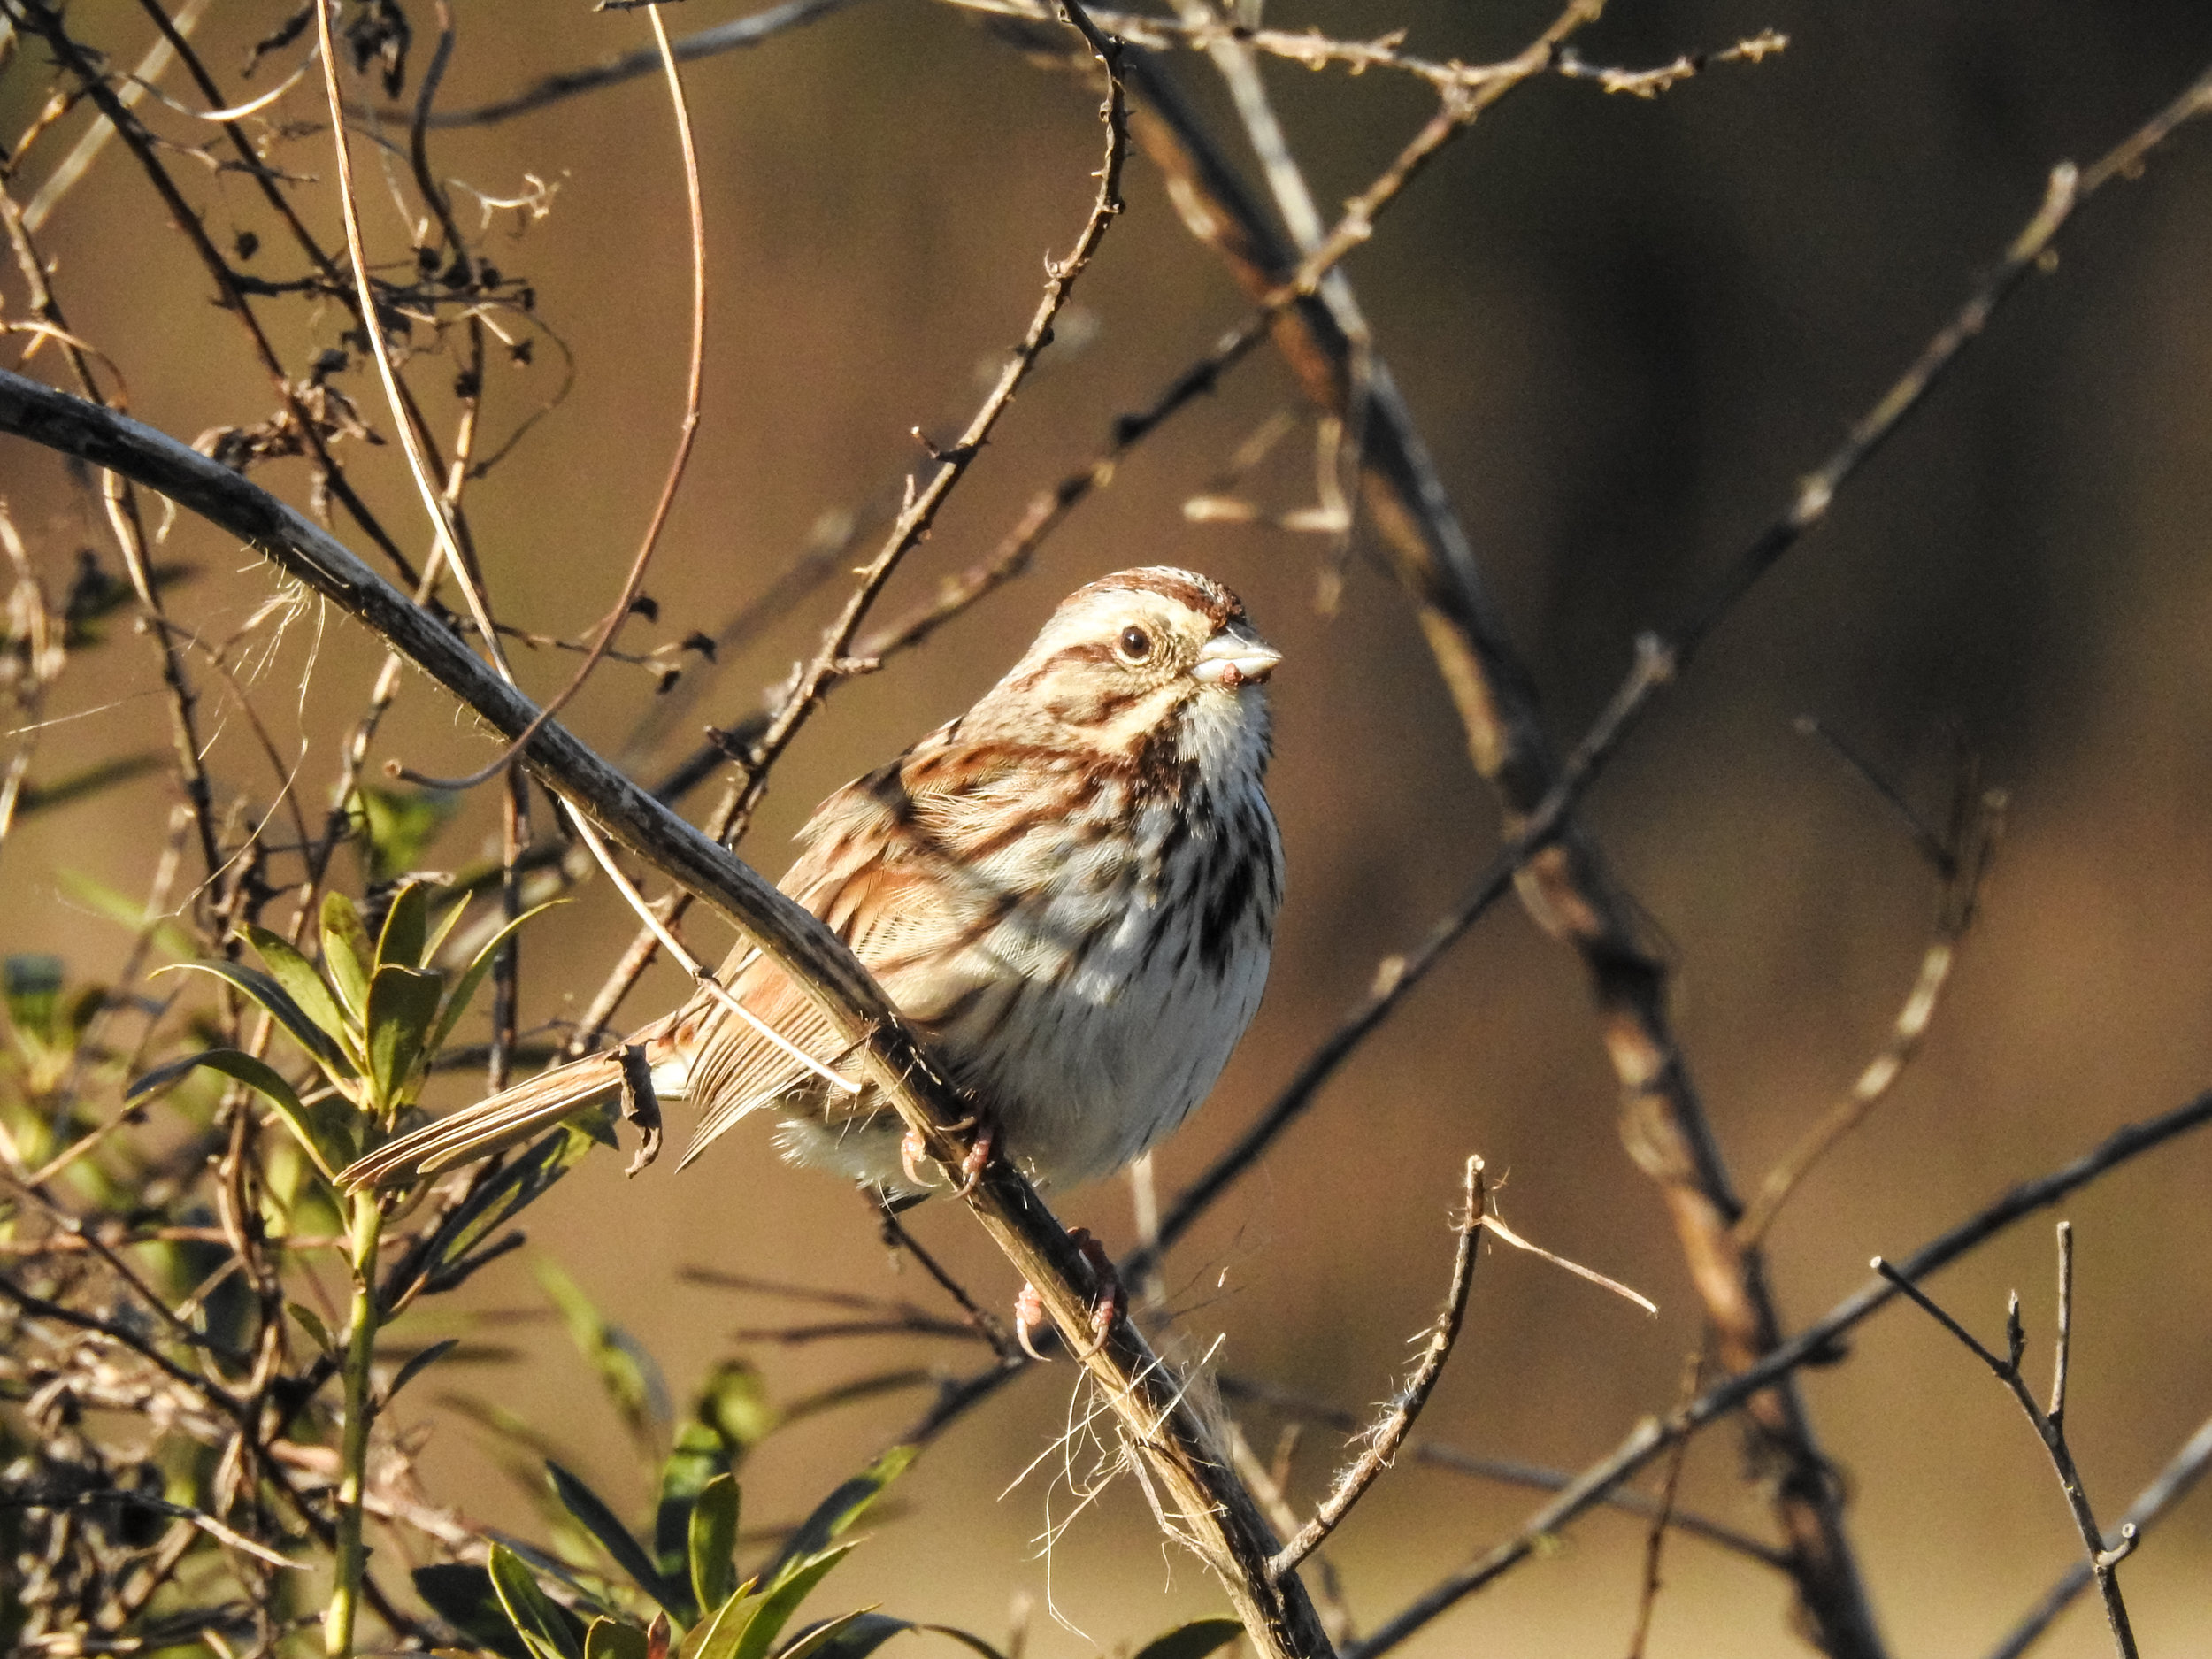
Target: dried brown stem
{"points": [[1386, 1436]]}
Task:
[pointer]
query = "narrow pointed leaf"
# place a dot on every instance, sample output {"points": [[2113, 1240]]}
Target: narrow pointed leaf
{"points": [[717, 1636], [406, 927], [813, 1641], [714, 1542], [442, 923], [319, 1044], [465, 988], [403, 1002], [1194, 1640], [462, 1596], [840, 1510], [857, 1635], [601, 1522], [311, 1322], [782, 1600], [417, 1363], [313, 1132], [612, 1639], [537, 1618], [347, 952], [296, 974], [506, 1196]]}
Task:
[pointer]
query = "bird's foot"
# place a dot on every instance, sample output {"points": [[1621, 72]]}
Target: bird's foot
{"points": [[1113, 1300], [913, 1151]]}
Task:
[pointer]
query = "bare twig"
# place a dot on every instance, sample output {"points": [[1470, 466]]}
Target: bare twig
{"points": [[449, 546], [1968, 863], [2171, 1484], [1818, 1341], [686, 431], [1384, 1437], [1504, 1471], [742, 32], [2049, 1426]]}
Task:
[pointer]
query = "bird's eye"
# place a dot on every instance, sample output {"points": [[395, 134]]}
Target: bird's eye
{"points": [[1134, 645]]}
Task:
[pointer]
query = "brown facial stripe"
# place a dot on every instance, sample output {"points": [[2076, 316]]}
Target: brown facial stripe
{"points": [[1210, 599]]}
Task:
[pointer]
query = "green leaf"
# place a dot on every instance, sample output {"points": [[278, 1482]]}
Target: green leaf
{"points": [[32, 985], [463, 1597], [165, 936], [311, 1322], [443, 923], [316, 1134], [347, 952], [857, 1635], [840, 1510], [321, 1046], [88, 780], [734, 1403], [296, 974], [397, 828], [782, 1600], [591, 1510], [716, 1637], [1194, 1640], [712, 1543], [697, 1457], [612, 1639], [402, 1001], [417, 1363], [464, 987], [626, 1371], [550, 1629], [406, 927], [514, 1189]]}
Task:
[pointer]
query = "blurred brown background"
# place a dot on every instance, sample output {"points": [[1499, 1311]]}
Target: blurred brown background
{"points": [[1625, 327]]}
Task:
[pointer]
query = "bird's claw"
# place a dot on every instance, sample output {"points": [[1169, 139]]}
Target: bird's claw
{"points": [[1112, 1303]]}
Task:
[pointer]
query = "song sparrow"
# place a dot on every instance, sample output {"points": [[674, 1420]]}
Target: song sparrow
{"points": [[1070, 890]]}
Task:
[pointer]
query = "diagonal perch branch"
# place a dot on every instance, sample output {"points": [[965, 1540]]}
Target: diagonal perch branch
{"points": [[1214, 1510]]}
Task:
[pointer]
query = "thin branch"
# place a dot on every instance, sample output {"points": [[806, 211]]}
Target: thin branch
{"points": [[2170, 1486], [2049, 1426], [742, 32], [1818, 1342], [1969, 865], [1386, 1436], [441, 512], [687, 429]]}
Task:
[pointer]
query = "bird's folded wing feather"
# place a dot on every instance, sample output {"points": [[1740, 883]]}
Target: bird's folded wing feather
{"points": [[491, 1126], [886, 868]]}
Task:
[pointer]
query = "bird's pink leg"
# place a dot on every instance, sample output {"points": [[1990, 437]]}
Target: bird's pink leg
{"points": [[913, 1151], [1113, 1300]]}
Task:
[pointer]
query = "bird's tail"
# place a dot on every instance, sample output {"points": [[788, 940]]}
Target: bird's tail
{"points": [[493, 1125]]}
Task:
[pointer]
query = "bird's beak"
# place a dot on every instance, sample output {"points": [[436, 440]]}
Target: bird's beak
{"points": [[1235, 657]]}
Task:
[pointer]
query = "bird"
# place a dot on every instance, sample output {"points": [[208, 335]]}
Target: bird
{"points": [[1070, 891]]}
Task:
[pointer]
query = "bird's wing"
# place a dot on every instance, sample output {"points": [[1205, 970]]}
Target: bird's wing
{"points": [[888, 866], [505, 1119]]}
